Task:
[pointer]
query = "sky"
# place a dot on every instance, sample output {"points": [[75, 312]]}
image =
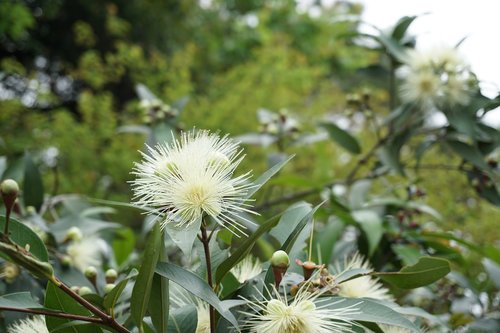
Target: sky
{"points": [[447, 22]]}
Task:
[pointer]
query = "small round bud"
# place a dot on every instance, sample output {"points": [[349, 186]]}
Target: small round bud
{"points": [[31, 210], [75, 289], [66, 261], [108, 287], [280, 259], [84, 291], [9, 187], [74, 234], [90, 272], [111, 275]]}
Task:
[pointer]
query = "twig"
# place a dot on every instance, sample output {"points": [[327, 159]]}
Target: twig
{"points": [[54, 314], [206, 246]]}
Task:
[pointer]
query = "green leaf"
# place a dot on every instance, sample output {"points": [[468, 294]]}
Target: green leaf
{"points": [[289, 242], [22, 300], [371, 224], [33, 185], [123, 244], [326, 239], [259, 182], [401, 27], [426, 271], [56, 299], [493, 270], [183, 320], [343, 138], [159, 304], [142, 287], [243, 250], [368, 311], [469, 153], [196, 286], [23, 236], [407, 253], [289, 220], [184, 236], [112, 297]]}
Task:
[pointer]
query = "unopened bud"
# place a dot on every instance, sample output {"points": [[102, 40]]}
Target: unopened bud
{"points": [[66, 261], [84, 291], [279, 262], [74, 234], [108, 287], [9, 189], [91, 272], [111, 276], [75, 289]]}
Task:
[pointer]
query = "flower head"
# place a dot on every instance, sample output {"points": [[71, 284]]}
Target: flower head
{"points": [[305, 314], [30, 325], [193, 177], [86, 252], [439, 76], [364, 286], [247, 269]]}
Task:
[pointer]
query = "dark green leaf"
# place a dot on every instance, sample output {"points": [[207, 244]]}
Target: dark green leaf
{"points": [[289, 220], [22, 300], [159, 304], [33, 185], [469, 153], [196, 286], [401, 27], [144, 281], [56, 299], [183, 320], [123, 244], [371, 224], [426, 271], [326, 239], [26, 238], [342, 137]]}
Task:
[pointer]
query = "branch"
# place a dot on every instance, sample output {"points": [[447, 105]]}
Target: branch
{"points": [[54, 314]]}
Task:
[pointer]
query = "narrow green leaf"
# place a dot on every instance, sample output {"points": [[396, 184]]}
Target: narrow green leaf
{"points": [[196, 286], [56, 299], [289, 220], [426, 271], [142, 288], [343, 138], [159, 304], [112, 297], [33, 185], [469, 153], [26, 238], [401, 27], [243, 250], [371, 224], [259, 182], [326, 239]]}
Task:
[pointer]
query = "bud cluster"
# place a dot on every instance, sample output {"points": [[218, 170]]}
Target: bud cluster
{"points": [[155, 110]]}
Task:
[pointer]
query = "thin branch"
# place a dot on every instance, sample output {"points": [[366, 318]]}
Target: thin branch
{"points": [[206, 246]]}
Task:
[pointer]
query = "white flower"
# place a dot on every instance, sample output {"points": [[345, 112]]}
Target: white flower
{"points": [[365, 286], [34, 324], [86, 252], [305, 314], [246, 269], [193, 177], [180, 298], [437, 77]]}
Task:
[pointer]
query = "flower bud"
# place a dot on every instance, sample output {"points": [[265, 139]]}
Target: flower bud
{"points": [[66, 261], [75, 289], [279, 263], [91, 274], [74, 234], [84, 291], [108, 287], [111, 276], [9, 189]]}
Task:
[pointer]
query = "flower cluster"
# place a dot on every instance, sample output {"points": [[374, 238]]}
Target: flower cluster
{"points": [[193, 177], [437, 77]]}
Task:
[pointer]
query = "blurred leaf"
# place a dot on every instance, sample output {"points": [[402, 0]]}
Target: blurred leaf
{"points": [[183, 320], [139, 129], [33, 185], [326, 239], [22, 300], [112, 297], [426, 271], [359, 193], [196, 286], [469, 153], [343, 138], [407, 253], [259, 182], [123, 244], [493, 270], [26, 238], [402, 26], [371, 224], [142, 287], [159, 303], [289, 220], [56, 299]]}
